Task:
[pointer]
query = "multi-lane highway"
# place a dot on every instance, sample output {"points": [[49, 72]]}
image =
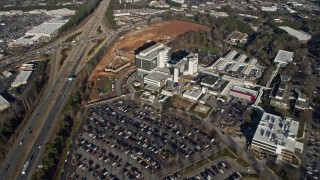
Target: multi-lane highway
{"points": [[26, 57], [28, 146]]}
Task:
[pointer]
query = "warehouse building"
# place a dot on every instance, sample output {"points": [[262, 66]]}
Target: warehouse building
{"points": [[21, 78], [4, 104], [277, 136], [40, 33], [302, 36]]}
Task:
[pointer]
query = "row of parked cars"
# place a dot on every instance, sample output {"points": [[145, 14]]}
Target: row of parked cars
{"points": [[312, 166], [119, 145]]}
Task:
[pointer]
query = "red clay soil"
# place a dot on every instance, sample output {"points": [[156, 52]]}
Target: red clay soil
{"points": [[163, 32]]}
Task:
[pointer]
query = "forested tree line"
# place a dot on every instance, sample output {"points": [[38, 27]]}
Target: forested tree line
{"points": [[22, 107], [70, 112]]}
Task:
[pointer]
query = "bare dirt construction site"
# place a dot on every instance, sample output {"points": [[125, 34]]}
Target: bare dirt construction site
{"points": [[162, 32]]}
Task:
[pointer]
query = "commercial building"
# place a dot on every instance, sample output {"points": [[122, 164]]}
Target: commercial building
{"points": [[281, 95], [237, 63], [283, 58], [243, 93], [192, 94], [152, 58], [218, 14], [237, 37], [269, 8], [209, 81], [26, 67], [64, 12], [302, 36], [21, 78], [178, 1], [186, 66], [4, 104], [40, 33], [157, 78], [277, 136], [302, 102]]}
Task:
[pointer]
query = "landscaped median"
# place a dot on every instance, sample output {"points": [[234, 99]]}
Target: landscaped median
{"points": [[67, 146], [222, 153]]}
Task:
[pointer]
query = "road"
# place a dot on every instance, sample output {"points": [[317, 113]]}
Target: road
{"points": [[26, 147], [14, 61]]}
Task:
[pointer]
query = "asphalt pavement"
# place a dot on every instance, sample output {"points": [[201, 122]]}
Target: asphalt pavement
{"points": [[61, 89]]}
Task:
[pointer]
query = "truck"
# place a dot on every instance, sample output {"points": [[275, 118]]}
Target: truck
{"points": [[25, 167]]}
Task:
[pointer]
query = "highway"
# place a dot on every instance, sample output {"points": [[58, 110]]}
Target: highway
{"points": [[28, 146], [25, 58]]}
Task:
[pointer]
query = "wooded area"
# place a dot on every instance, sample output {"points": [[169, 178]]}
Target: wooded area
{"points": [[22, 107]]}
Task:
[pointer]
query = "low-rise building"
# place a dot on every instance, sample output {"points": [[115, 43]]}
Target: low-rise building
{"points": [[157, 78], [302, 36], [40, 33], [218, 14], [26, 67], [281, 95], [237, 37], [243, 93], [277, 136], [4, 104], [283, 58], [192, 94], [269, 8], [21, 78], [239, 64]]}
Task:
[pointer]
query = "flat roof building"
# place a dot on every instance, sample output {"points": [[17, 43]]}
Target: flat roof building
{"points": [[40, 33], [281, 95], [283, 58], [192, 94], [4, 104], [276, 135], [237, 63], [157, 78], [152, 58], [209, 81], [21, 78], [302, 36], [243, 93], [269, 8]]}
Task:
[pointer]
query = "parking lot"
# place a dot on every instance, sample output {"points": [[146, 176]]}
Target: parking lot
{"points": [[15, 26], [221, 168], [312, 152], [124, 140]]}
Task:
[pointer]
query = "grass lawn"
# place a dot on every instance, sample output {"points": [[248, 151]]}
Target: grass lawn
{"points": [[242, 162], [201, 163], [250, 176], [187, 170], [106, 88], [223, 152], [168, 154], [300, 130]]}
